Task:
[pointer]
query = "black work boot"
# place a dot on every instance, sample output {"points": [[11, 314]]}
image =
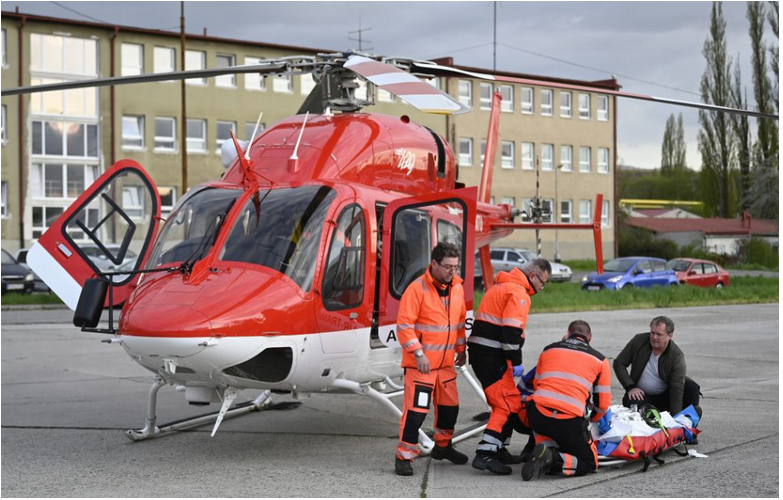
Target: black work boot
{"points": [[403, 467], [527, 451], [538, 464], [486, 460], [507, 458], [449, 453]]}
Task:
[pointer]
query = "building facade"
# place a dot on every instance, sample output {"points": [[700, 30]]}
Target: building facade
{"points": [[55, 144]]}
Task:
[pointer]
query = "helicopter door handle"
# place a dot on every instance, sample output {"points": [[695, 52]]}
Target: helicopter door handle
{"points": [[353, 315]]}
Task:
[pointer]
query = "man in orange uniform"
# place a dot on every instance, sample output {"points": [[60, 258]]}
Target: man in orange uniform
{"points": [[431, 330], [568, 373], [495, 346]]}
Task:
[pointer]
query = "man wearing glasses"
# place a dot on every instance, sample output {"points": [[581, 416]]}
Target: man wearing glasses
{"points": [[495, 346], [431, 331], [657, 371]]}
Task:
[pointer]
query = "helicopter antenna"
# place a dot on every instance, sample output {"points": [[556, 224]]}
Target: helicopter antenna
{"points": [[252, 137], [360, 31], [294, 160]]}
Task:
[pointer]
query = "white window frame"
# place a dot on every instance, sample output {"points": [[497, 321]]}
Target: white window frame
{"points": [[547, 99], [566, 108], [4, 199], [528, 155], [254, 81], [251, 126], [199, 145], [605, 220], [550, 204], [162, 55], [133, 210], [226, 81], [508, 200], [3, 124], [38, 179], [603, 161], [547, 157], [165, 139], [66, 125], [584, 106], [132, 68], [466, 159], [507, 155], [165, 209], [5, 48], [567, 164], [194, 60], [507, 100], [602, 114], [306, 84], [138, 143], [585, 211], [384, 95], [283, 84], [486, 102], [526, 101], [218, 141], [465, 89], [66, 46], [585, 166], [42, 229], [483, 151], [566, 215]]}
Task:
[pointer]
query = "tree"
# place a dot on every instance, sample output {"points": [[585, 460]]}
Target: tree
{"points": [[767, 135], [673, 147], [774, 19], [716, 144], [744, 145]]}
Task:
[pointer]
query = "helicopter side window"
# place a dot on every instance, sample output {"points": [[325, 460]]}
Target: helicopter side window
{"points": [[343, 284], [412, 248], [450, 233]]}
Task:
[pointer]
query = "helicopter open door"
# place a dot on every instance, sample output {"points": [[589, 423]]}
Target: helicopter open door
{"points": [[411, 228], [109, 228]]}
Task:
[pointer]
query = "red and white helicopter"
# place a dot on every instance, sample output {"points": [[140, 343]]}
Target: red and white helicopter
{"points": [[285, 274]]}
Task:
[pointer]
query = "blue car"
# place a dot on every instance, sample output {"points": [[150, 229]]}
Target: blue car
{"points": [[628, 272]]}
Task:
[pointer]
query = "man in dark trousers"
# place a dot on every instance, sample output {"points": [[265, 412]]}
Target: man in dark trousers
{"points": [[657, 371]]}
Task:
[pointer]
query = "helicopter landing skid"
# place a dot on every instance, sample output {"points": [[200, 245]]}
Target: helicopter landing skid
{"points": [[151, 430]]}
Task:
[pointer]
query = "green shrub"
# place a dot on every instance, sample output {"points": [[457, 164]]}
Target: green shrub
{"points": [[758, 252]]}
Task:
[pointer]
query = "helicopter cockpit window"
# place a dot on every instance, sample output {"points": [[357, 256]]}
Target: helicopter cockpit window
{"points": [[412, 247], [343, 284], [192, 228], [450, 233], [281, 229]]}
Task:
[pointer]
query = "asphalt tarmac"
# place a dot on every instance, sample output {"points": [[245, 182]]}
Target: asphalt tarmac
{"points": [[67, 398]]}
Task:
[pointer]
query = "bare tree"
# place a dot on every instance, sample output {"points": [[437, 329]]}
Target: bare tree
{"points": [[744, 142], [673, 146]]}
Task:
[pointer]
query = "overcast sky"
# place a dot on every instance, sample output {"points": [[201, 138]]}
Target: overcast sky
{"points": [[651, 47]]}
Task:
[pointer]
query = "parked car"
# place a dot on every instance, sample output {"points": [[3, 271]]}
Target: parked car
{"points": [[38, 283], [699, 272], [505, 259], [630, 272], [15, 278]]}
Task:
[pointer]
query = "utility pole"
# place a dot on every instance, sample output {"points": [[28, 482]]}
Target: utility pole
{"points": [[495, 38], [184, 119], [359, 39]]}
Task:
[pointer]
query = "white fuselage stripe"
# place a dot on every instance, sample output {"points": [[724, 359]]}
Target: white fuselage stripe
{"points": [[54, 275]]}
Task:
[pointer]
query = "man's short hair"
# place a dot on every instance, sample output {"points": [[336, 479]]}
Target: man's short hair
{"points": [[444, 249], [539, 264], [579, 327], [663, 320]]}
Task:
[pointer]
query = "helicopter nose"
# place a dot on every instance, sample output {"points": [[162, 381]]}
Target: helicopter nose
{"points": [[166, 320]]}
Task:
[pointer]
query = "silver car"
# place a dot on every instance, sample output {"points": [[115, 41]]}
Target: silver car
{"points": [[505, 259]]}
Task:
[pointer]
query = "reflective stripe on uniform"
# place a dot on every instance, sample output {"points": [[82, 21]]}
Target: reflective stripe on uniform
{"points": [[601, 388], [409, 343], [485, 342], [499, 321], [569, 464], [510, 347], [568, 376], [559, 397], [438, 348]]}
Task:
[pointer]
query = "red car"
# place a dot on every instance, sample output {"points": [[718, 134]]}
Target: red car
{"points": [[699, 272]]}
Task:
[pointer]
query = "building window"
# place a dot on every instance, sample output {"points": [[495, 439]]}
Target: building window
{"points": [[605, 220], [546, 102], [132, 132], [56, 138], [565, 104], [76, 102], [565, 211], [508, 200], [133, 201], [507, 154], [197, 135], [43, 217], [603, 108], [4, 42], [434, 82], [165, 134], [527, 101], [483, 150], [507, 101], [283, 83], [164, 60], [361, 91], [547, 157], [59, 181], [584, 106], [486, 96], [384, 96], [306, 84], [528, 153], [547, 210], [566, 158], [132, 59], [168, 198], [226, 61], [3, 136], [585, 211], [466, 93], [250, 127], [195, 60], [603, 160], [465, 151], [68, 55], [584, 160], [254, 81], [4, 193], [224, 130]]}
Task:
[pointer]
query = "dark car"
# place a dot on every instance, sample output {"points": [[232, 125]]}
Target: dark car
{"points": [[38, 283], [16, 278], [699, 272], [629, 272]]}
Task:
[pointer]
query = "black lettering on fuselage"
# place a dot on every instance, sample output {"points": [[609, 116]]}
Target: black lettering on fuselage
{"points": [[392, 336]]}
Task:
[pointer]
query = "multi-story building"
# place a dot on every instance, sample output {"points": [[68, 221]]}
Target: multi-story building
{"points": [[55, 144]]}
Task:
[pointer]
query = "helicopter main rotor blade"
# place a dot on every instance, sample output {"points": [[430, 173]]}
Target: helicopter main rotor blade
{"points": [[407, 87], [433, 68], [263, 68]]}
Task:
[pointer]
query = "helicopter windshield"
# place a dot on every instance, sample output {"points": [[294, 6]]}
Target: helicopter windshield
{"points": [[192, 228], [281, 229]]}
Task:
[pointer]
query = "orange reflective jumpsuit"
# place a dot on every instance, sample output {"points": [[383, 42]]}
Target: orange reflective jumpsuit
{"points": [[431, 318], [572, 382], [495, 345]]}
